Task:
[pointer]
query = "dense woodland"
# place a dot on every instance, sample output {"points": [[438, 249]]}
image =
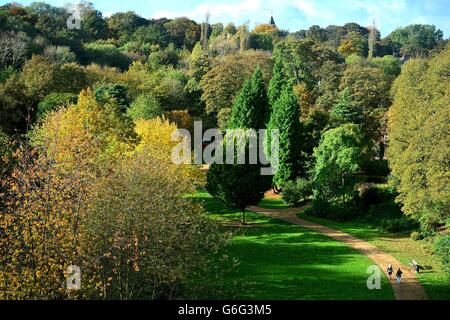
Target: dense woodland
{"points": [[86, 118]]}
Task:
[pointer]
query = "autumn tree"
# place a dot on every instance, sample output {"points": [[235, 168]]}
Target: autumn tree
{"points": [[418, 149], [222, 83]]}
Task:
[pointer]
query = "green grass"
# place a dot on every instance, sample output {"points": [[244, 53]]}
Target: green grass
{"points": [[283, 261], [435, 280], [269, 203]]}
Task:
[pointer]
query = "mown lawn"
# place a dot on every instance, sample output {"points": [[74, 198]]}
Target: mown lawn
{"points": [[283, 261], [435, 280]]}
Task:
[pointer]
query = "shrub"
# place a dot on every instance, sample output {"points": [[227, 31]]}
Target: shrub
{"points": [[415, 236], [296, 192], [6, 73], [398, 225], [59, 54], [370, 195], [105, 55], [442, 249]]}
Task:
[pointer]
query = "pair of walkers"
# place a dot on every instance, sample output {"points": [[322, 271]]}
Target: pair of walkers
{"points": [[398, 275]]}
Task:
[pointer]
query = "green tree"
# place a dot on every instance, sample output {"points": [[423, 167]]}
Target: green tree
{"points": [[94, 27], [416, 39], [285, 117], [368, 87], [146, 107], [184, 33], [344, 111], [237, 185], [54, 100], [339, 156], [123, 24], [250, 109], [118, 92], [241, 185]]}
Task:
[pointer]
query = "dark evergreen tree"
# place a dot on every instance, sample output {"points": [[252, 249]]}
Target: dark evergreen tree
{"points": [[276, 83], [250, 109], [345, 111], [286, 118], [241, 185], [237, 185]]}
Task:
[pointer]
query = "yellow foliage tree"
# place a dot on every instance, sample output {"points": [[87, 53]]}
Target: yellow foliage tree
{"points": [[86, 133], [156, 141]]}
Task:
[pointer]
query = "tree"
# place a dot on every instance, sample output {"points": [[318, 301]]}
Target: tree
{"points": [[237, 185], [184, 33], [222, 83], [416, 39], [368, 88], [339, 156], [146, 107], [13, 49], [344, 111], [53, 101], [285, 117], [390, 66], [59, 54], [114, 91], [85, 134], [153, 34], [250, 109], [240, 185], [418, 148], [94, 27], [354, 43], [106, 55], [38, 77], [122, 24]]}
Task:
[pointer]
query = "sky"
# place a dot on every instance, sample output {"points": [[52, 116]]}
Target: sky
{"points": [[290, 15]]}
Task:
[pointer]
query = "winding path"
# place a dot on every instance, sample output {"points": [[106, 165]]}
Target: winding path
{"points": [[409, 289]]}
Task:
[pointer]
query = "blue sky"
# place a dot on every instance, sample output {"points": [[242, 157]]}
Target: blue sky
{"points": [[289, 14]]}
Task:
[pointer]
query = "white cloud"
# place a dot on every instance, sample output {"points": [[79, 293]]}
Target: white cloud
{"points": [[234, 12], [311, 11]]}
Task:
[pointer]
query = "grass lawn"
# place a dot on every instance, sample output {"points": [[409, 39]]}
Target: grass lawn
{"points": [[283, 261], [435, 280]]}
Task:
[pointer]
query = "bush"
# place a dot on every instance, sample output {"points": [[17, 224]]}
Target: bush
{"points": [[398, 225], [53, 101], [105, 55], [324, 209], [415, 236], [296, 192], [59, 54], [442, 249], [6, 73], [370, 195]]}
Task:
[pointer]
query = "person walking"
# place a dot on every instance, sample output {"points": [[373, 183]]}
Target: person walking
{"points": [[399, 275], [390, 271]]}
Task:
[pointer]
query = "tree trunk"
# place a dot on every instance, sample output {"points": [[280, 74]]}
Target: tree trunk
{"points": [[243, 217]]}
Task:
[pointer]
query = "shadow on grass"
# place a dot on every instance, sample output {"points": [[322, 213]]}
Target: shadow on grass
{"points": [[280, 261]]}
